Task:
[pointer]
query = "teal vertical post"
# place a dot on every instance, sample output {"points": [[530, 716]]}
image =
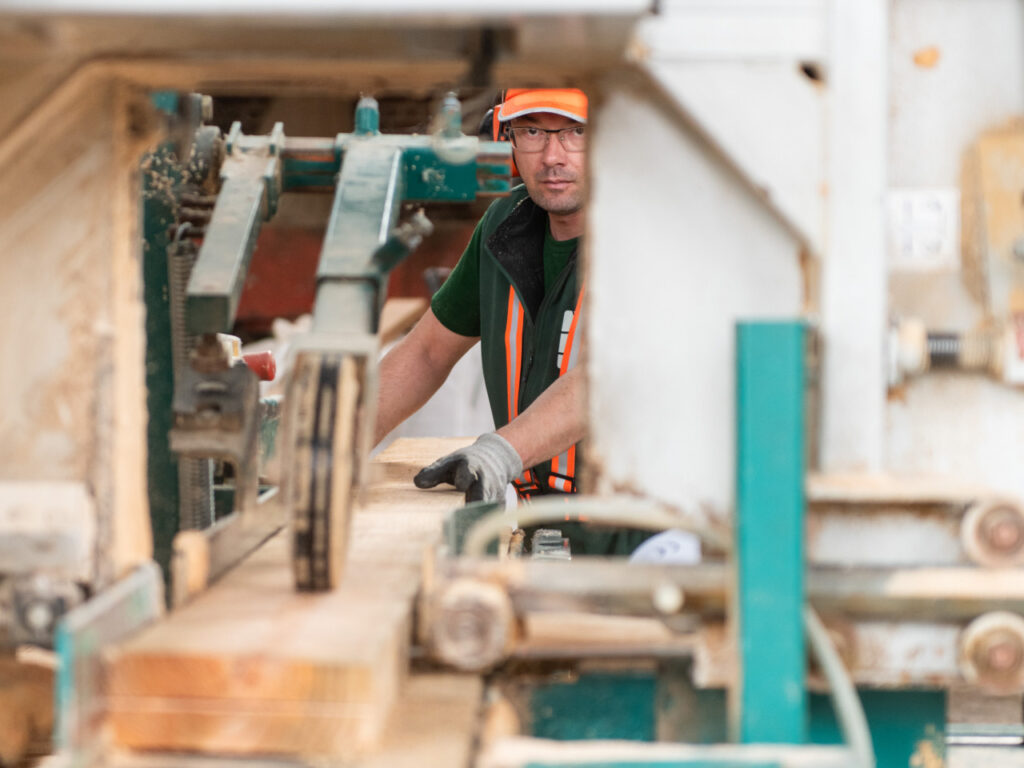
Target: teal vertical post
{"points": [[770, 704]]}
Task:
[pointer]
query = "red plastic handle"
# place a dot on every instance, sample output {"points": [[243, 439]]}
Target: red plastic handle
{"points": [[262, 364]]}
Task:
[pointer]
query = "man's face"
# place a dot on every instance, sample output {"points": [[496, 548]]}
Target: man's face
{"points": [[554, 177]]}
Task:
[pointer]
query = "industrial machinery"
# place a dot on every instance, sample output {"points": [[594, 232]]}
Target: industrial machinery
{"points": [[217, 199], [803, 348]]}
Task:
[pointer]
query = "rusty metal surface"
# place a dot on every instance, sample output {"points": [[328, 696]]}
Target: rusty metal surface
{"points": [[995, 175], [604, 585], [882, 488], [883, 654], [601, 585], [885, 534]]}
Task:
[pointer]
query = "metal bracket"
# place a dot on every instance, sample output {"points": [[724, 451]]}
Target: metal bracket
{"points": [[216, 414], [109, 617]]}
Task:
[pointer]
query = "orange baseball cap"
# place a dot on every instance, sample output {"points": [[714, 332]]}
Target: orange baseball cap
{"points": [[568, 102]]}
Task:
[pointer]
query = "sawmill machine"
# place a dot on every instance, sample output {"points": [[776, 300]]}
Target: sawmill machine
{"points": [[803, 349], [209, 224]]}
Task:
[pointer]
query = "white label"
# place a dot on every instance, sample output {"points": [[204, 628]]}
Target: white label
{"points": [[924, 229]]}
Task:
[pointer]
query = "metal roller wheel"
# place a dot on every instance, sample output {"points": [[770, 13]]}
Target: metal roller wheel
{"points": [[318, 480]]}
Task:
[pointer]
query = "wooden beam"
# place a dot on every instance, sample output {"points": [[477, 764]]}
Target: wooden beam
{"points": [[398, 316], [26, 708], [252, 667]]}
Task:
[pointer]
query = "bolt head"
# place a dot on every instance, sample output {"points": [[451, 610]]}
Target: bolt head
{"points": [[992, 533], [1004, 656], [992, 652], [1002, 530], [998, 651], [1005, 535]]}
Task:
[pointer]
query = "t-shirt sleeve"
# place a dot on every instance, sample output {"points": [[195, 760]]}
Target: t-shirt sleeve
{"points": [[457, 302]]}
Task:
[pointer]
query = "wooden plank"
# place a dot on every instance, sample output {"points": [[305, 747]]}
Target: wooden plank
{"points": [[398, 316], [253, 667], [26, 708], [434, 725]]}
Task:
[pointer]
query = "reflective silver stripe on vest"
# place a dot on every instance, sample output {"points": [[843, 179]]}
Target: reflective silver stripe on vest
{"points": [[568, 345]]}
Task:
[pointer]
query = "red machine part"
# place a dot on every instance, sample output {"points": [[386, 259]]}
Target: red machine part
{"points": [[262, 364]]}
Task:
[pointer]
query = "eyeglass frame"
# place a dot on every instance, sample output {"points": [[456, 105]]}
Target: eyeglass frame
{"points": [[562, 133]]}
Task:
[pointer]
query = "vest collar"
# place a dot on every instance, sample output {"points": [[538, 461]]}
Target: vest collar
{"points": [[517, 243]]}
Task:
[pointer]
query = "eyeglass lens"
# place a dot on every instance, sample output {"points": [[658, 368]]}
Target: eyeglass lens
{"points": [[529, 138]]}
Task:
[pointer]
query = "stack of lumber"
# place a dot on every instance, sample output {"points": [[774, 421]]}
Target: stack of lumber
{"points": [[251, 667]]}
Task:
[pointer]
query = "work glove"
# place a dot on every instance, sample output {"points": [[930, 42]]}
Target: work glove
{"points": [[481, 470]]}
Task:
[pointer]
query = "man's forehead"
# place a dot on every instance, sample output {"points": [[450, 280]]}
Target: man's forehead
{"points": [[544, 118]]}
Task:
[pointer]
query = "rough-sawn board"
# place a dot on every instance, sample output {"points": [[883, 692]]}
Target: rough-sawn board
{"points": [[253, 667]]}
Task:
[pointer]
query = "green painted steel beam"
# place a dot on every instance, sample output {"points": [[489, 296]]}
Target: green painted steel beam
{"points": [[160, 183], [365, 211], [428, 177], [596, 705], [770, 703], [428, 170], [218, 277]]}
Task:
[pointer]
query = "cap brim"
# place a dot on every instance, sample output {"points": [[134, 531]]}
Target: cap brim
{"points": [[502, 118]]}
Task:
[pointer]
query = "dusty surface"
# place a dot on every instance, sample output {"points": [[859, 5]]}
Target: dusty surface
{"points": [[253, 667], [967, 706], [26, 709], [70, 286]]}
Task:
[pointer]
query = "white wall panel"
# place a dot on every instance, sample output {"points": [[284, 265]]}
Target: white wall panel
{"points": [[679, 249]]}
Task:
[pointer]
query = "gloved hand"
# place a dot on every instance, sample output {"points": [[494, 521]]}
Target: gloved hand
{"points": [[481, 470]]}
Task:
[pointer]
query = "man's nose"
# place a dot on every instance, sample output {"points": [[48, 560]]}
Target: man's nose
{"points": [[554, 152]]}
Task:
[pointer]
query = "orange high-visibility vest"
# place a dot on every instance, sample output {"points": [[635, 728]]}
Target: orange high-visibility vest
{"points": [[529, 337]]}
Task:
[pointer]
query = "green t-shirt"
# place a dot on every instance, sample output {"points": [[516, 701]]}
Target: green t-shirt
{"points": [[457, 302]]}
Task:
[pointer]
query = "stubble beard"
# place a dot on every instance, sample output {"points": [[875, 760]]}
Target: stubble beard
{"points": [[564, 204]]}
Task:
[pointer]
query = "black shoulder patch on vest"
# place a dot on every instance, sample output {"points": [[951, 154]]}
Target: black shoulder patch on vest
{"points": [[518, 245]]}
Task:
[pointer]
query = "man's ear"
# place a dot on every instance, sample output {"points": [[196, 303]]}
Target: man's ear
{"points": [[499, 135]]}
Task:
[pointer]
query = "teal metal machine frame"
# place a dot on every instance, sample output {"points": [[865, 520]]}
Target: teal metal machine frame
{"points": [[770, 704], [372, 175], [770, 701]]}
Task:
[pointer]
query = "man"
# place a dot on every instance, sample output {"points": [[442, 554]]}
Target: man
{"points": [[517, 289]]}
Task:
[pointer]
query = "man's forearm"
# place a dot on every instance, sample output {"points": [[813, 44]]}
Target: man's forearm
{"points": [[553, 422]]}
